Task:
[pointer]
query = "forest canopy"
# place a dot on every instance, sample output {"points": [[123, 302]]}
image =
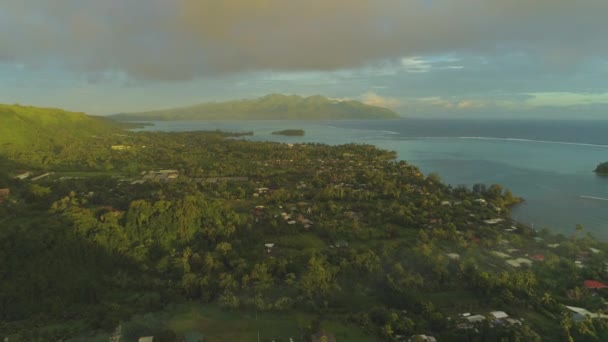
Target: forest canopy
{"points": [[102, 225]]}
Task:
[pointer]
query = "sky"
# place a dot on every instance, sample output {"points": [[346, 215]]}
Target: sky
{"points": [[422, 58]]}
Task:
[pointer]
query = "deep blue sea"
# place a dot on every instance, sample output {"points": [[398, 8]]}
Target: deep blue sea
{"points": [[549, 163]]}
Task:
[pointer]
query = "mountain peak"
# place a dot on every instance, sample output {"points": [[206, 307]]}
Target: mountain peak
{"points": [[270, 107]]}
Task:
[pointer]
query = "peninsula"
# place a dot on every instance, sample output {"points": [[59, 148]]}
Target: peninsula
{"points": [[602, 169], [270, 107], [290, 132]]}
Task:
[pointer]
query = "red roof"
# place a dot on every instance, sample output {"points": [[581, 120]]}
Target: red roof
{"points": [[538, 257], [594, 284]]}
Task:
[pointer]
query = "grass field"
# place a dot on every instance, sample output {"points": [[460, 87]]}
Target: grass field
{"points": [[225, 326], [218, 325]]}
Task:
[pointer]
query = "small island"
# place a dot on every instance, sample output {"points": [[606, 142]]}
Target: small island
{"points": [[290, 132], [602, 169]]}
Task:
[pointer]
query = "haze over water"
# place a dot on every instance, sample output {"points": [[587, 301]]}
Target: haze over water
{"points": [[549, 163]]}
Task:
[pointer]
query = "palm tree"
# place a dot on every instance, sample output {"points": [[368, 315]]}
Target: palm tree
{"points": [[547, 299]]}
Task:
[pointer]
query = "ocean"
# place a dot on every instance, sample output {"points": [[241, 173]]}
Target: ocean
{"points": [[548, 163]]}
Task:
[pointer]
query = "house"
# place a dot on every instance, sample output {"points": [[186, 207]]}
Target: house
{"points": [[594, 285], [475, 318], [453, 256], [146, 339], [594, 250], [4, 193], [500, 254], [513, 321], [580, 314], [513, 262], [498, 315], [519, 262], [538, 257], [23, 175], [480, 201], [524, 261], [493, 221], [44, 175], [422, 338], [269, 247]]}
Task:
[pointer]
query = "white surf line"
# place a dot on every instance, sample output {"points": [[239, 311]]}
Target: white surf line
{"points": [[593, 197], [517, 140], [536, 141]]}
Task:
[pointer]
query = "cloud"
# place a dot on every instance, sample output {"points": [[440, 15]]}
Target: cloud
{"points": [[444, 103], [185, 39], [415, 64], [468, 104], [374, 99], [565, 99], [422, 65]]}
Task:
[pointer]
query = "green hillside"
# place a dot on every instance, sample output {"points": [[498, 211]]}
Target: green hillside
{"points": [[270, 107], [34, 135]]}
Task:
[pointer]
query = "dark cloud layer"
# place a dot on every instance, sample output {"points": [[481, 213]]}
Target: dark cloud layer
{"points": [[184, 39]]}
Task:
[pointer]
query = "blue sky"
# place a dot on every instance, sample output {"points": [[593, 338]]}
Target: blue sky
{"points": [[439, 58]]}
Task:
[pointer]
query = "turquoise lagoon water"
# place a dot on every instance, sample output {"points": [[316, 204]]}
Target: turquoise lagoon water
{"points": [[548, 163]]}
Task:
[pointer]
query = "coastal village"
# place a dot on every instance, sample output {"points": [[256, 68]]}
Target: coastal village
{"points": [[327, 203]]}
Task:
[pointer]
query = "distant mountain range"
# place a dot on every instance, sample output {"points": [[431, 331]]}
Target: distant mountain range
{"points": [[270, 107]]}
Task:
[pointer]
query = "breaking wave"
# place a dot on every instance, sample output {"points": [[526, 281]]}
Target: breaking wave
{"points": [[520, 140], [594, 198]]}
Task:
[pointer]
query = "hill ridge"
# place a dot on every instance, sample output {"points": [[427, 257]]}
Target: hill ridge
{"points": [[269, 107]]}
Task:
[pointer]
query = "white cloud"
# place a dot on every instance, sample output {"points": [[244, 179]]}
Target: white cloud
{"points": [[566, 99], [415, 65], [444, 103], [422, 65], [373, 99]]}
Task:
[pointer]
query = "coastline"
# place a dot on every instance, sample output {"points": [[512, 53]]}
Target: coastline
{"points": [[532, 170]]}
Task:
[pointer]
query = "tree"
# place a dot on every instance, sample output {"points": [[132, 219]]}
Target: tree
{"points": [[319, 279]]}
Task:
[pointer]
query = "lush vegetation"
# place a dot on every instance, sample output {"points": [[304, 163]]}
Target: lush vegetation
{"points": [[286, 240], [602, 169], [290, 132], [270, 107]]}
